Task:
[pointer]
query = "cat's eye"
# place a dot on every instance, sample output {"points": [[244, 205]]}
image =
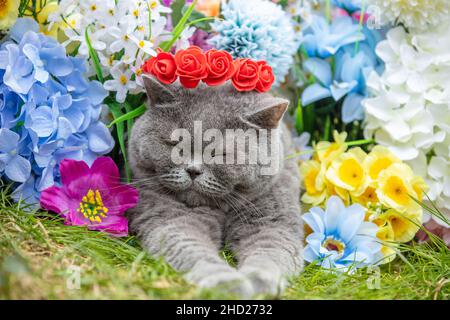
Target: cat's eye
{"points": [[171, 143]]}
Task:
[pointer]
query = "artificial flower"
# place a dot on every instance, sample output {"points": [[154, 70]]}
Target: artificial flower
{"points": [[322, 39], [163, 67], [403, 226], [395, 189], [9, 10], [313, 181], [201, 38], [409, 108], [191, 66], [121, 82], [220, 67], [341, 239], [326, 151], [210, 8], [436, 229], [246, 76], [47, 100], [91, 196], [16, 167], [377, 160], [265, 77], [259, 30], [123, 33], [347, 171], [417, 14]]}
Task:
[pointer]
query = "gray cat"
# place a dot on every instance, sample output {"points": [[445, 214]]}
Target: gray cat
{"points": [[188, 212]]}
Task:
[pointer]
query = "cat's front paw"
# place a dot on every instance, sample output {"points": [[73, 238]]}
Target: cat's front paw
{"points": [[224, 279], [265, 282]]}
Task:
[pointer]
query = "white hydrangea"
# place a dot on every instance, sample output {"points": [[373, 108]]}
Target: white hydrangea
{"points": [[410, 108], [121, 33], [414, 14]]}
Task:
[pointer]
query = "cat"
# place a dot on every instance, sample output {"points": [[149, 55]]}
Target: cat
{"points": [[188, 212]]}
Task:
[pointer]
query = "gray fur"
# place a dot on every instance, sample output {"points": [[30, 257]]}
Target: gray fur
{"points": [[188, 221]]}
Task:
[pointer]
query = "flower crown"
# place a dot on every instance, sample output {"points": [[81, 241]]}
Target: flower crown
{"points": [[213, 67]]}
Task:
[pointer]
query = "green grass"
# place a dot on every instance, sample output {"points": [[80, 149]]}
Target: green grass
{"points": [[36, 253]]}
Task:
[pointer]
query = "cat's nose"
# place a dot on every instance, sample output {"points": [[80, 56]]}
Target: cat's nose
{"points": [[193, 171]]}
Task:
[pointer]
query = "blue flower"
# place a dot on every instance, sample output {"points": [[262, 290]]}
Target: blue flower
{"points": [[325, 86], [341, 239], [323, 40], [259, 30], [349, 5], [49, 110], [16, 167]]}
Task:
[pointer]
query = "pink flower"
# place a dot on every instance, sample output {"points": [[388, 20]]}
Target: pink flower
{"points": [[92, 197]]}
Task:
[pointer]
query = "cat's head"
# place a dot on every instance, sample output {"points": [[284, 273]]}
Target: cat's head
{"points": [[191, 165]]}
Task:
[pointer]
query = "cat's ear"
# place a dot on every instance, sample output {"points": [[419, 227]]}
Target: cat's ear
{"points": [[269, 115], [157, 92]]}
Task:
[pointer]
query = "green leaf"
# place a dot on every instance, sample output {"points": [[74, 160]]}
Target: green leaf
{"points": [[116, 111], [130, 115], [299, 126], [177, 11], [179, 28], [94, 56]]}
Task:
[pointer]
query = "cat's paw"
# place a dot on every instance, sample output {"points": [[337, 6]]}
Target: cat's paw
{"points": [[265, 282], [224, 279]]}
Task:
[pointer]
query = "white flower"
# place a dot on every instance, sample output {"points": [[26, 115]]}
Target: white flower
{"points": [[120, 31], [409, 111], [121, 82], [414, 14]]}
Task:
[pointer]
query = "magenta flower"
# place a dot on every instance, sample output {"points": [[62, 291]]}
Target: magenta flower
{"points": [[92, 197]]}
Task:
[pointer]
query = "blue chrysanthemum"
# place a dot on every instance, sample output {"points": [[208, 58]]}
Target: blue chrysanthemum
{"points": [[260, 30], [341, 239], [49, 111]]}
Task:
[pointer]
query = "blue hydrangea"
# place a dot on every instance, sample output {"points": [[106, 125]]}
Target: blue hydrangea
{"points": [[260, 30], [49, 111]]}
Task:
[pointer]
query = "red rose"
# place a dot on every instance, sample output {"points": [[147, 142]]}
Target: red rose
{"points": [[220, 67], [191, 66], [246, 76], [266, 77], [162, 66]]}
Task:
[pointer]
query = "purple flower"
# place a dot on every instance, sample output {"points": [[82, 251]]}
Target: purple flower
{"points": [[200, 39], [92, 197]]}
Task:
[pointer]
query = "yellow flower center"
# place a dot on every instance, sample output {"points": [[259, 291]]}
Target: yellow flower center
{"points": [[136, 13], [396, 190], [3, 4], [123, 79], [310, 181], [351, 172], [153, 4], [93, 7], [378, 166], [92, 206], [141, 44], [333, 245], [139, 71]]}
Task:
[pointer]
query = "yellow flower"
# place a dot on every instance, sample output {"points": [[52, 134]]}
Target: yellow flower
{"points": [[210, 8], [386, 235], [368, 197], [313, 182], [395, 189], [347, 172], [42, 17], [326, 152], [9, 10], [400, 227], [377, 160]]}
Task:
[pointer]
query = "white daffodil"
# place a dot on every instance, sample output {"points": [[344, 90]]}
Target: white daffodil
{"points": [[119, 30], [121, 82], [144, 45]]}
